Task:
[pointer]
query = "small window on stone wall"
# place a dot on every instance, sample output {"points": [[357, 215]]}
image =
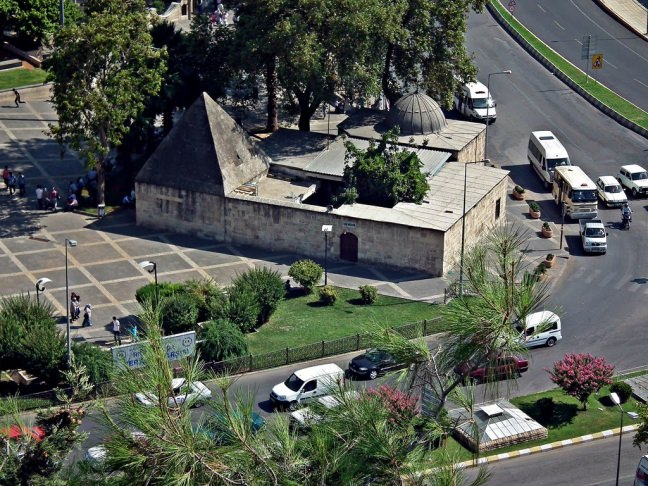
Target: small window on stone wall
{"points": [[498, 208], [163, 205]]}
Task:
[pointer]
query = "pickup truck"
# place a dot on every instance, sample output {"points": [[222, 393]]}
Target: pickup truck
{"points": [[634, 178], [593, 235]]}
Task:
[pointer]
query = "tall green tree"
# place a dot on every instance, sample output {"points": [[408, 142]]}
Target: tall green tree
{"points": [[384, 174], [103, 69]]}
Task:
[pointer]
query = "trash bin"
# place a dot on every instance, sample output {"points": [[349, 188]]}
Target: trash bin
{"points": [[101, 210]]}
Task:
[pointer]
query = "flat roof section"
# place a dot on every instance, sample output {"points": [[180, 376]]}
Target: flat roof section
{"points": [[293, 148], [278, 189]]}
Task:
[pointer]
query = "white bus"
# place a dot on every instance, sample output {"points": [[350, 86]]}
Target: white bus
{"points": [[576, 191], [545, 153]]}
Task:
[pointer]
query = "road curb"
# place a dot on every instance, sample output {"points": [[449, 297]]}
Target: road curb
{"points": [[547, 447], [613, 13], [562, 76]]}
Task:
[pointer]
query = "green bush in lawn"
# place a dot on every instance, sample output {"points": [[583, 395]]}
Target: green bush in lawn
{"points": [[98, 363], [622, 389], [221, 340], [206, 294], [165, 289], [44, 352], [179, 313], [267, 287], [306, 273], [327, 294], [241, 308], [368, 294]]}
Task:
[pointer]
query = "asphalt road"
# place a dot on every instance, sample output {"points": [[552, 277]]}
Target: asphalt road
{"points": [[590, 464], [563, 24], [600, 298]]}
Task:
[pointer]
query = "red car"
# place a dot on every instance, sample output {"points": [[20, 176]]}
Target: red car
{"points": [[500, 368], [17, 432]]}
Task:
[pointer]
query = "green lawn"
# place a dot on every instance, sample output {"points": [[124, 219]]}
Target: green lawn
{"points": [[15, 78], [600, 92], [302, 320]]}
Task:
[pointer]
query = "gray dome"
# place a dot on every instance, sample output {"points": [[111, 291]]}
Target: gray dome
{"points": [[416, 114]]}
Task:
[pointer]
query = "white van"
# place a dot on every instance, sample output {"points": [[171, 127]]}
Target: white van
{"points": [[641, 478], [474, 101], [540, 329], [306, 384], [545, 153], [576, 191]]}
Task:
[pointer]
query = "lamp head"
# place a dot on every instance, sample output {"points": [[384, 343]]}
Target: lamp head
{"points": [[147, 265], [615, 398], [40, 283], [72, 242]]}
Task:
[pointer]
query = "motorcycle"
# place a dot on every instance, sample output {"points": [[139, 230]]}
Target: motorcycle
{"points": [[625, 223]]}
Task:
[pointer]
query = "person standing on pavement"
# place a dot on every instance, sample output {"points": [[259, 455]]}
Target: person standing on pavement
{"points": [[39, 196], [75, 306], [21, 184], [54, 195], [116, 329], [12, 184], [87, 316], [5, 176]]}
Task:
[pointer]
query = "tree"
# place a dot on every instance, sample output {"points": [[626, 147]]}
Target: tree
{"points": [[384, 174], [221, 340], [306, 273], [179, 313], [580, 375], [103, 69], [425, 48], [267, 287], [641, 436]]}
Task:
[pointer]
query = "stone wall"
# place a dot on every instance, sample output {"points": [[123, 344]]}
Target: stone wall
{"points": [[287, 227], [479, 220], [473, 150]]}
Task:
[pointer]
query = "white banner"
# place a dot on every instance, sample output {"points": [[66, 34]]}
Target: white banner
{"points": [[177, 346]]}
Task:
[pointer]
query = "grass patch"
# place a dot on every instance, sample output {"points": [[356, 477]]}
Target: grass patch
{"points": [[593, 87], [92, 211], [302, 320], [15, 78], [26, 404]]}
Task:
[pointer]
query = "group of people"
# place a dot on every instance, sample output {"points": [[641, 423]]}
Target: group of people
{"points": [[75, 310], [47, 198], [219, 17], [11, 182]]}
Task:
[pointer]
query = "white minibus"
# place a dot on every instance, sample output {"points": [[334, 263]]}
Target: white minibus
{"points": [[545, 153], [576, 191]]}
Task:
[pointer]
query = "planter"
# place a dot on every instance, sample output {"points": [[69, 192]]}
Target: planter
{"points": [[534, 214], [547, 232], [550, 263], [518, 195]]}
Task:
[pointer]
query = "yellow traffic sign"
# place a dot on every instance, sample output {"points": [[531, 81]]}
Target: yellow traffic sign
{"points": [[597, 61]]}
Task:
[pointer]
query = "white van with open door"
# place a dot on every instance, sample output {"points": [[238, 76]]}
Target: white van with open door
{"points": [[540, 329], [473, 101]]}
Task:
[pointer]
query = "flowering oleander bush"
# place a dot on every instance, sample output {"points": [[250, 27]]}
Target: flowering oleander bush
{"points": [[401, 406], [580, 375]]}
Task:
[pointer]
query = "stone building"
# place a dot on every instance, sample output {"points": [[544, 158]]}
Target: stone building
{"points": [[209, 179]]}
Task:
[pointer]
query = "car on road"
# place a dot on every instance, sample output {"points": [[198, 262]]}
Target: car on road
{"points": [[306, 384], [503, 367], [373, 363], [634, 178], [192, 394], [610, 192], [218, 428], [304, 417], [540, 329]]}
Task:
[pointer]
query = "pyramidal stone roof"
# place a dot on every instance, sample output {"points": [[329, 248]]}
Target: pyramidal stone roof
{"points": [[206, 151]]}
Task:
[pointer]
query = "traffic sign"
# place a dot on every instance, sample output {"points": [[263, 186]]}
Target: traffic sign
{"points": [[512, 5], [597, 61]]}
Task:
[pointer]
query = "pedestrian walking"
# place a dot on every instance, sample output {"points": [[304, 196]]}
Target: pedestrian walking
{"points": [[87, 316], [12, 184], [116, 329], [75, 306], [39, 196], [5, 176], [17, 98], [21, 184]]}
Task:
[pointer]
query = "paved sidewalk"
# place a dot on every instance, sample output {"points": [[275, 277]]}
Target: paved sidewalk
{"points": [[630, 13]]}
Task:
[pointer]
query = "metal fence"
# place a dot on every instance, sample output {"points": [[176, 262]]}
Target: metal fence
{"points": [[322, 349]]}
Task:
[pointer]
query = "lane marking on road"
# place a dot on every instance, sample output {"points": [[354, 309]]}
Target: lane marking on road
{"points": [[608, 278], [608, 62], [579, 42], [623, 281], [561, 27], [644, 84], [540, 7], [593, 275]]}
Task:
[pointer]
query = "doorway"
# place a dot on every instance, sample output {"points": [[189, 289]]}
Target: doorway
{"points": [[349, 247]]}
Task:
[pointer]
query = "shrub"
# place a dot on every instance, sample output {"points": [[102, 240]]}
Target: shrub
{"points": [[179, 313], [622, 389], [222, 340], [241, 308], [97, 362], [519, 189], [327, 294], [43, 352], [165, 289], [534, 206], [580, 375], [205, 293], [306, 273], [400, 406], [546, 225], [546, 407], [368, 294], [267, 287]]}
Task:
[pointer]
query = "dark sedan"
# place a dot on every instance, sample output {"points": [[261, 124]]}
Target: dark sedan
{"points": [[373, 363]]}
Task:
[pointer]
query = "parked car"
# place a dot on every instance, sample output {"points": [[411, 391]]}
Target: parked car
{"points": [[634, 178], [17, 432], [372, 363], [610, 192], [504, 367], [191, 394], [540, 329]]}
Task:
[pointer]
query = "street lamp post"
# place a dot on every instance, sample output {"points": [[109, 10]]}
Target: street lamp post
{"points": [[617, 401], [326, 229], [70, 243], [62, 13], [508, 71], [152, 268], [40, 287]]}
